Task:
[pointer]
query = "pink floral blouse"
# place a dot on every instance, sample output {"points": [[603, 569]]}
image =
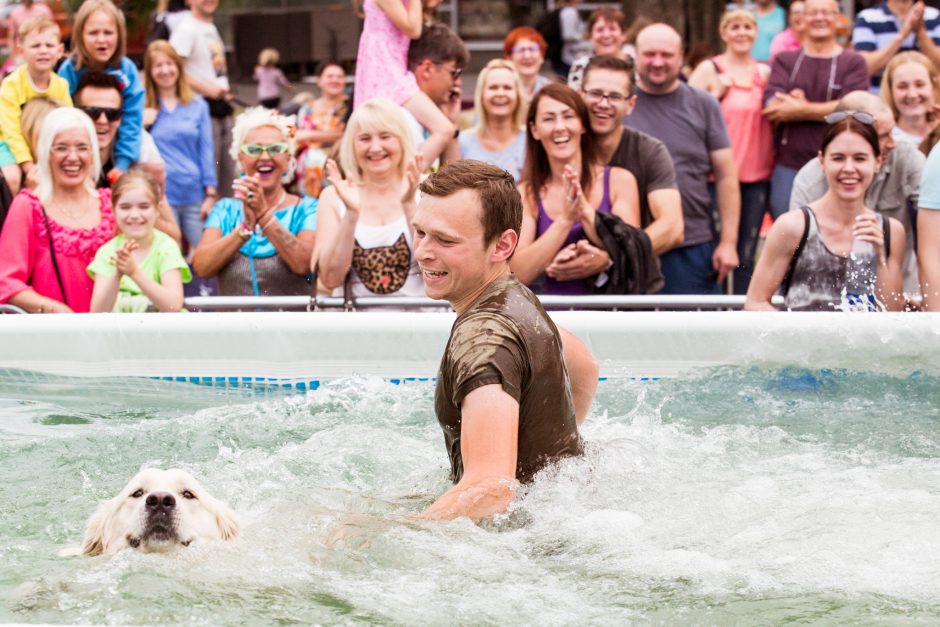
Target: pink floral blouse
{"points": [[25, 260]]}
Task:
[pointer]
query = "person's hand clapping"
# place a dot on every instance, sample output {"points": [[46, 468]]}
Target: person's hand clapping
{"points": [[124, 258], [345, 187], [412, 179], [574, 197]]}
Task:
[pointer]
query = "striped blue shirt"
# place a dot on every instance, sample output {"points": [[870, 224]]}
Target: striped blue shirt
{"points": [[876, 28]]}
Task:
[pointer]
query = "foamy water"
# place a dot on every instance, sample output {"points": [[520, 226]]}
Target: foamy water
{"points": [[736, 496]]}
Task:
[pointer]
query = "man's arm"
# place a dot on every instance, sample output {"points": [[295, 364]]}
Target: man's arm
{"points": [[489, 441], [728, 191], [877, 58], [582, 373], [667, 229]]}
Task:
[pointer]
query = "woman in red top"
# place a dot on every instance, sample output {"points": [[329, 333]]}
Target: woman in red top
{"points": [[51, 235]]}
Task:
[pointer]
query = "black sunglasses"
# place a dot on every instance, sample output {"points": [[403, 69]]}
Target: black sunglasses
{"points": [[110, 113]]}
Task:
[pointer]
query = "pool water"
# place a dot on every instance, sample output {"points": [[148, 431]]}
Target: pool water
{"points": [[734, 496]]}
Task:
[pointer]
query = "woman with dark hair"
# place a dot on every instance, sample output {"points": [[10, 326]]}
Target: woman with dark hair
{"points": [[564, 185], [813, 254]]}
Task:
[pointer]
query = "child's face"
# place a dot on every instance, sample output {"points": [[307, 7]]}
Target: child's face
{"points": [[100, 37], [135, 212], [40, 50]]}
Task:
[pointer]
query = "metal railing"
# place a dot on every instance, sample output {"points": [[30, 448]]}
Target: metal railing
{"points": [[608, 303], [329, 303]]}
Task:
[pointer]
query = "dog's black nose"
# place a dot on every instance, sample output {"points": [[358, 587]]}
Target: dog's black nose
{"points": [[161, 501]]}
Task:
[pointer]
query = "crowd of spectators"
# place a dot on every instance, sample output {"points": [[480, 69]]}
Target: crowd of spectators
{"points": [[640, 172]]}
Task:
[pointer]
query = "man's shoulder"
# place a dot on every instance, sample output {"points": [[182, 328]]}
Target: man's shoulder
{"points": [[636, 143], [878, 14], [905, 157]]}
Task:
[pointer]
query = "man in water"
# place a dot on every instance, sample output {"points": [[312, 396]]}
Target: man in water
{"points": [[504, 397]]}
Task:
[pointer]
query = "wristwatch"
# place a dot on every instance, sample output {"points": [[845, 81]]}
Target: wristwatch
{"points": [[243, 231]]}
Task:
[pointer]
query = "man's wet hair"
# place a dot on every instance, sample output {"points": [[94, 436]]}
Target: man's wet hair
{"points": [[615, 64], [438, 44], [499, 199], [99, 80]]}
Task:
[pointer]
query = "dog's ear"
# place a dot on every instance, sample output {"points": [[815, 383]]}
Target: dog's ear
{"points": [[226, 521], [94, 541]]}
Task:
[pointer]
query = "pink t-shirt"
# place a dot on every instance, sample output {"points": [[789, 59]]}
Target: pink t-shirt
{"points": [[752, 135], [270, 80], [25, 260], [20, 14], [783, 41]]}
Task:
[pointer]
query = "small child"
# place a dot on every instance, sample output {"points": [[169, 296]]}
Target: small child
{"points": [[270, 79], [382, 67], [99, 35], [141, 268], [40, 48]]}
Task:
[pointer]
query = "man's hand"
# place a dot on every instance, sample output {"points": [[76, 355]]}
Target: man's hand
{"points": [[786, 107], [724, 259], [913, 21]]}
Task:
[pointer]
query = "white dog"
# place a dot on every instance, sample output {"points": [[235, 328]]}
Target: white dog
{"points": [[158, 510]]}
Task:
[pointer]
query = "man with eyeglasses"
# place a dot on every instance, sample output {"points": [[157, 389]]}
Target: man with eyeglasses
{"points": [[894, 26], [895, 187], [690, 123], [607, 89], [804, 86], [437, 60]]}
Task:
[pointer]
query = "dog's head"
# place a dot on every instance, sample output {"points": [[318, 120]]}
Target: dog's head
{"points": [[158, 510]]}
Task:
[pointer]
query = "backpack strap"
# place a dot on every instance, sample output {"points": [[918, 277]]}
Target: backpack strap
{"points": [[785, 285], [886, 226]]}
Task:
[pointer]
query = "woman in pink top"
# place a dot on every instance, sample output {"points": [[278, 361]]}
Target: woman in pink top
{"points": [[51, 235], [792, 37], [738, 81], [382, 67]]}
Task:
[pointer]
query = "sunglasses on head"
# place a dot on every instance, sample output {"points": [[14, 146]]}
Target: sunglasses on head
{"points": [[859, 116], [255, 150], [110, 113]]}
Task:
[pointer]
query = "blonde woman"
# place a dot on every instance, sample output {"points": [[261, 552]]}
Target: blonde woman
{"points": [[364, 243], [738, 81], [499, 136], [911, 87]]}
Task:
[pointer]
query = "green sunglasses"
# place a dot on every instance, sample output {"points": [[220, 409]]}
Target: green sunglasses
{"points": [[255, 150]]}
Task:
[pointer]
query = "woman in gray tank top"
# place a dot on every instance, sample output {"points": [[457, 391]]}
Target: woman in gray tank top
{"points": [[806, 255]]}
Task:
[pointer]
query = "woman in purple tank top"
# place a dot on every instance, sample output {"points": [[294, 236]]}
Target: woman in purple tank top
{"points": [[563, 186]]}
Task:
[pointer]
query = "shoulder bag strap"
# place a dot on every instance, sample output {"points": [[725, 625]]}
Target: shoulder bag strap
{"points": [[55, 263], [796, 254]]}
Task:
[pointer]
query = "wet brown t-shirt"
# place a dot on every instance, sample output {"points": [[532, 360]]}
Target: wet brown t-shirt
{"points": [[506, 338]]}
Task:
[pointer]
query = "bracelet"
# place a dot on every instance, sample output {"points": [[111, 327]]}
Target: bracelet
{"points": [[243, 231]]}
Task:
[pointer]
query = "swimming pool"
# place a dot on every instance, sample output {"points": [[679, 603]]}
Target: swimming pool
{"points": [[730, 486]]}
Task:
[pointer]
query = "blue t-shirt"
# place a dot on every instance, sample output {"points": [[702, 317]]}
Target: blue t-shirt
{"points": [[930, 182], [510, 159], [227, 214], [767, 28], [127, 142], [184, 139]]}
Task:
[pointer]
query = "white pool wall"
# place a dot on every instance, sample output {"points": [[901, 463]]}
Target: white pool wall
{"points": [[403, 345]]}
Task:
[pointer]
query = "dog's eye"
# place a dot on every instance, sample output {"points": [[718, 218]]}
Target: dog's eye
{"points": [[188, 495], [138, 494]]}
